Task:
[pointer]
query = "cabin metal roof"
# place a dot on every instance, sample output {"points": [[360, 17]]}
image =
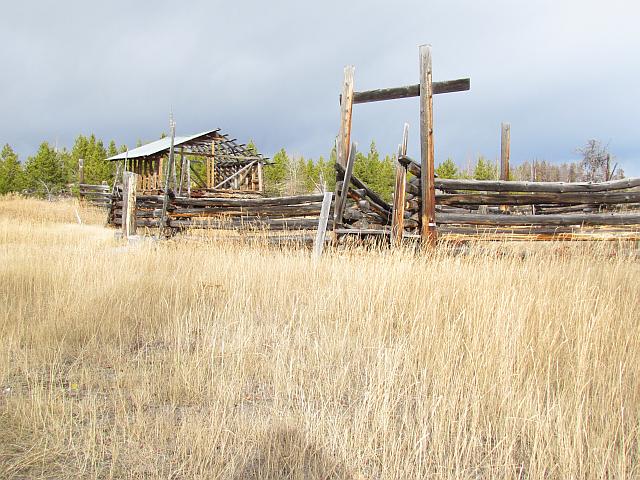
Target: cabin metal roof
{"points": [[226, 149]]}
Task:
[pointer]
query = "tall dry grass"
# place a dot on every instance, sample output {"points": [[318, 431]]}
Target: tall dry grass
{"points": [[209, 360]]}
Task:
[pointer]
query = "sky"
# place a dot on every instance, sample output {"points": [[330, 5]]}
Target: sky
{"points": [[560, 72]]}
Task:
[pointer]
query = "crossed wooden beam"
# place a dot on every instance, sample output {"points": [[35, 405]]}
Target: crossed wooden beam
{"points": [[425, 90]]}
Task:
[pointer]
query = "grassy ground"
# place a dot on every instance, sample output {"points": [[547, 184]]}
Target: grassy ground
{"points": [[198, 359]]}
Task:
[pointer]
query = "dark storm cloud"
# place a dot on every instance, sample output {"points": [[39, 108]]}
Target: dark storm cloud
{"points": [[560, 72]]}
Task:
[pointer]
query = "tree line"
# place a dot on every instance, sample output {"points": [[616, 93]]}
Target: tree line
{"points": [[52, 171]]}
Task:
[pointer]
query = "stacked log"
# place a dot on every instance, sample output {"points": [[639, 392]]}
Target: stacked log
{"points": [[538, 204], [279, 213]]}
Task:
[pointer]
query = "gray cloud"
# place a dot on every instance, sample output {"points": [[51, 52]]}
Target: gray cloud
{"points": [[560, 72]]}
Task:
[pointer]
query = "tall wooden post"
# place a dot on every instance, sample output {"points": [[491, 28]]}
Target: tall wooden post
{"points": [[428, 233], [505, 151], [343, 144], [130, 181], [399, 192]]}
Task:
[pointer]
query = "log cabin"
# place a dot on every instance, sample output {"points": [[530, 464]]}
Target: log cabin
{"points": [[206, 164]]}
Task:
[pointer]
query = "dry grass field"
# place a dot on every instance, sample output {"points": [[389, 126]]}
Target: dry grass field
{"points": [[200, 359]]}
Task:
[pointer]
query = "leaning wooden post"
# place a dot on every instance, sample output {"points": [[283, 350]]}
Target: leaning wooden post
{"points": [[428, 233], [318, 245], [399, 193], [129, 204]]}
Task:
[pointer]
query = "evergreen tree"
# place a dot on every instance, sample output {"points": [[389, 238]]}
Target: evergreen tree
{"points": [[327, 172], [251, 148], [485, 170], [447, 169], [113, 149], [375, 173], [11, 175], [45, 172], [96, 168], [275, 175]]}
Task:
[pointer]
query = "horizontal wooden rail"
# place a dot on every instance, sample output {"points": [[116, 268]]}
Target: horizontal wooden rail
{"points": [[509, 186], [236, 223], [541, 187], [593, 198], [560, 220], [100, 188], [450, 86]]}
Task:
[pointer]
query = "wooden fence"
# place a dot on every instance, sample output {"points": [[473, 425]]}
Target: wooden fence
{"points": [[476, 206], [98, 195], [278, 213]]}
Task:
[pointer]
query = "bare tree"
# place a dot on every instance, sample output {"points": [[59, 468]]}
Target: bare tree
{"points": [[596, 161]]}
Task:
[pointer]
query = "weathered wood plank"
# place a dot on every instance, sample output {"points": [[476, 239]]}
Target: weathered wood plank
{"points": [[129, 209], [322, 225], [378, 95], [428, 214], [595, 198], [542, 187], [346, 109], [505, 151], [399, 194], [560, 220]]}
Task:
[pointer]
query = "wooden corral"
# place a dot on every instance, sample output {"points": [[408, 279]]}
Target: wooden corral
{"points": [[209, 181], [424, 205]]}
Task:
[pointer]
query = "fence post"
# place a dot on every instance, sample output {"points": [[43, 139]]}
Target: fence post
{"points": [[170, 167], [505, 153], [129, 204], [399, 193], [343, 143], [428, 232], [80, 176], [318, 245]]}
